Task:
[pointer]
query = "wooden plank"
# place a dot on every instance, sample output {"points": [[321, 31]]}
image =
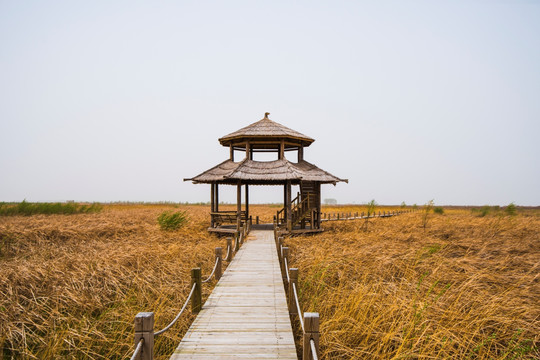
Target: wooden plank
{"points": [[246, 316]]}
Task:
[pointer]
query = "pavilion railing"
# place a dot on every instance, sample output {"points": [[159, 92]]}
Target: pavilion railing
{"points": [[362, 215], [144, 321]]}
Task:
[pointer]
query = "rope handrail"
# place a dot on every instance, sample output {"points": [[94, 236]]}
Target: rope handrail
{"points": [[213, 271], [177, 316], [137, 349], [287, 270], [313, 350], [298, 308]]}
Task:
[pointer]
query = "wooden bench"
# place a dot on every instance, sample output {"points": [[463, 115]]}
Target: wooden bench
{"points": [[226, 217]]}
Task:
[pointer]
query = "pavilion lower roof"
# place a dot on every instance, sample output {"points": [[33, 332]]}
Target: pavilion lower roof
{"points": [[264, 172]]}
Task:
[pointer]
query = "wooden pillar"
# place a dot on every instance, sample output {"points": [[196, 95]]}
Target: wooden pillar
{"points": [[293, 273], [248, 147], [284, 203], [318, 190], [300, 153], [231, 150], [247, 201], [230, 249], [219, 262], [282, 150], [311, 325], [216, 202], [238, 205], [212, 206], [196, 298], [144, 329], [289, 210]]}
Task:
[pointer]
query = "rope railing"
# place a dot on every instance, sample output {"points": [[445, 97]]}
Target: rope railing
{"points": [[157, 333], [144, 321], [287, 270], [295, 294], [137, 349], [213, 271], [313, 349], [309, 322]]}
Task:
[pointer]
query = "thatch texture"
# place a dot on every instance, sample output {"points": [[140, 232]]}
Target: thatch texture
{"points": [[268, 172], [266, 129]]}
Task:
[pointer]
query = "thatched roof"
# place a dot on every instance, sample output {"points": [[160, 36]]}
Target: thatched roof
{"points": [[264, 172], [266, 129]]}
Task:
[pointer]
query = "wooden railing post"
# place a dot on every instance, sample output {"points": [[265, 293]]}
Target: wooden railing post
{"points": [[144, 329], [196, 298], [285, 256], [219, 261], [311, 325], [257, 220], [229, 245], [278, 245], [293, 274], [237, 241]]}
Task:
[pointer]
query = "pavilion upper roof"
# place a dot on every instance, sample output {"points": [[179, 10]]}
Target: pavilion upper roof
{"points": [[268, 131], [270, 172]]}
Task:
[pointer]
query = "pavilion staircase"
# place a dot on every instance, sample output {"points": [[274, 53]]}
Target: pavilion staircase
{"points": [[304, 209]]}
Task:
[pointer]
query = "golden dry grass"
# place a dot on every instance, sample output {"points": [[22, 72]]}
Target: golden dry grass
{"points": [[467, 287], [71, 285]]}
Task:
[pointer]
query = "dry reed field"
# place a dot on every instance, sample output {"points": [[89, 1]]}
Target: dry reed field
{"points": [[71, 285], [466, 288]]}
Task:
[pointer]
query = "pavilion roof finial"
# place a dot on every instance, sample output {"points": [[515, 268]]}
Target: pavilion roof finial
{"points": [[266, 115]]}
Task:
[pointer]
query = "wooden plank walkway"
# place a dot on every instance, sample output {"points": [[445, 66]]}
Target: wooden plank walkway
{"points": [[246, 316]]}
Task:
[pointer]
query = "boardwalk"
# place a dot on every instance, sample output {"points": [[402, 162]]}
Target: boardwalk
{"points": [[246, 316]]}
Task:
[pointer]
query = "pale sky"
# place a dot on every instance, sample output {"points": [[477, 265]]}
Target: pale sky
{"points": [[409, 100]]}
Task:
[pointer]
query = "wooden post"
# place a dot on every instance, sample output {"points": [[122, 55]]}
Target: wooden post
{"points": [[257, 220], [289, 209], [229, 245], [293, 274], [237, 241], [216, 201], [241, 235], [238, 205], [285, 256], [300, 153], [212, 209], [144, 329], [311, 326], [196, 298], [279, 243], [219, 261], [247, 201], [231, 150]]}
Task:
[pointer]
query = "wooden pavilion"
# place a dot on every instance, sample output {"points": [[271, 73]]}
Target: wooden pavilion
{"points": [[301, 214]]}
